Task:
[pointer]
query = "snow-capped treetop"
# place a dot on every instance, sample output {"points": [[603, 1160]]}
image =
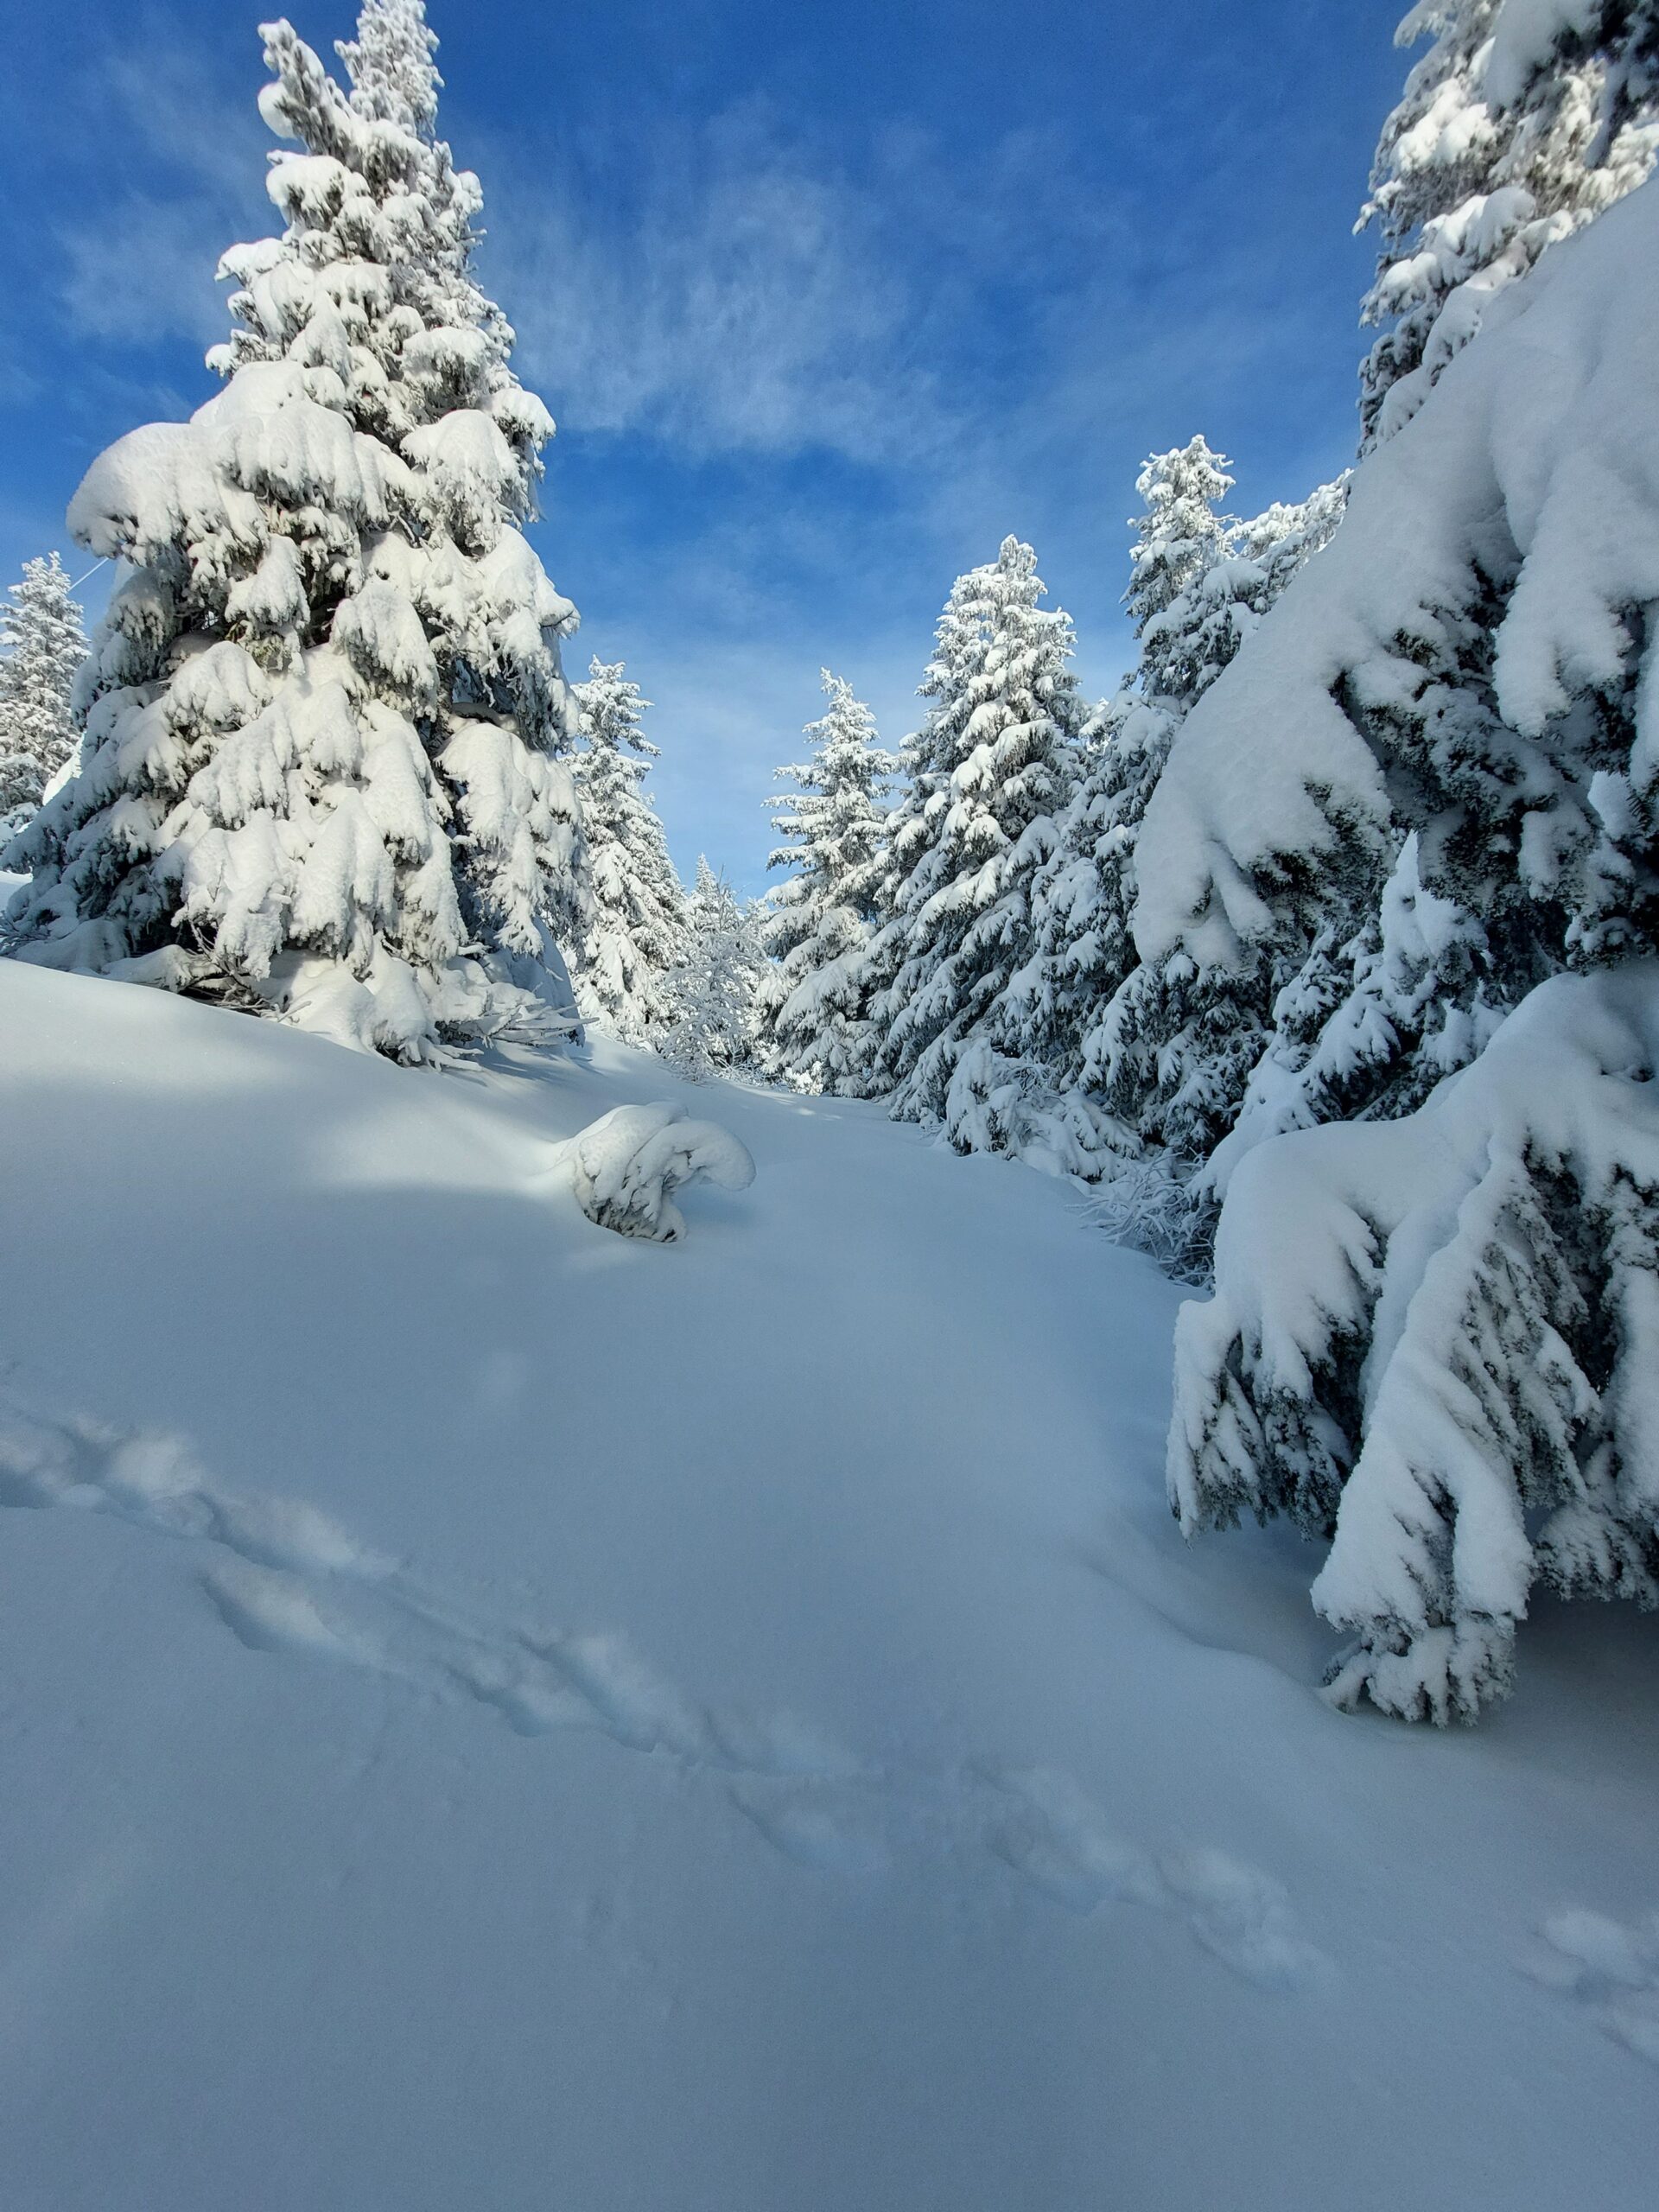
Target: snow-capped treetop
{"points": [[322, 704], [394, 77], [836, 818], [1524, 120], [372, 278], [613, 710], [1200, 580], [1179, 541], [637, 929], [42, 645]]}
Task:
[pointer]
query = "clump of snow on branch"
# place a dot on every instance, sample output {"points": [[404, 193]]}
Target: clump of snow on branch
{"points": [[627, 1165]]}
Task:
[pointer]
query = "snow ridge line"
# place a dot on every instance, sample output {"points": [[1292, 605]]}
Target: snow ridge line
{"points": [[284, 1578]]}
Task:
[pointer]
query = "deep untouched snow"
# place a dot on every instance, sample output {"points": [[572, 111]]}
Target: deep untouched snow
{"points": [[725, 1728]]}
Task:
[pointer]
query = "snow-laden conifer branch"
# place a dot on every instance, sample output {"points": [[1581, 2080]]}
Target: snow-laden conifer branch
{"points": [[1523, 121], [1436, 1340]]}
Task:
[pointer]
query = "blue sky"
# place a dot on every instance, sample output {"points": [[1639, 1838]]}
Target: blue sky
{"points": [[826, 298]]}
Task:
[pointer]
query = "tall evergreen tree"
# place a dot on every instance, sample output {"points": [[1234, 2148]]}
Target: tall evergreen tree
{"points": [[43, 646], [637, 928], [1520, 123], [816, 1030], [988, 772], [319, 773], [713, 990], [1181, 540], [1188, 596], [1142, 1042]]}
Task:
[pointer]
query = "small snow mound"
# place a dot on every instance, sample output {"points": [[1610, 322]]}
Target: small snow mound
{"points": [[628, 1165]]}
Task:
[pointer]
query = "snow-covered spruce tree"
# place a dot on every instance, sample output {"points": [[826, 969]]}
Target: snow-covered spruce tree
{"points": [[988, 774], [713, 989], [1085, 895], [1153, 1047], [1434, 1334], [42, 645], [322, 712], [815, 1027], [1181, 540], [636, 932], [1524, 120]]}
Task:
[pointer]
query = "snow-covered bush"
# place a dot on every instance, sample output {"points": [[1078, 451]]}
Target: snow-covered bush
{"points": [[1436, 1341], [42, 645], [636, 932], [322, 710], [1524, 120], [625, 1167], [988, 775], [713, 993], [1432, 780], [816, 1030], [1144, 1203]]}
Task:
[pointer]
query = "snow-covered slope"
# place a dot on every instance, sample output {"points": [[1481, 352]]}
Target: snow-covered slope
{"points": [[496, 1713]]}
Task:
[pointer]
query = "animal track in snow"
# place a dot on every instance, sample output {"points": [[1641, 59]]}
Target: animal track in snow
{"points": [[155, 1482], [1045, 1827], [284, 1578], [836, 1826], [1243, 1916], [1611, 1970]]}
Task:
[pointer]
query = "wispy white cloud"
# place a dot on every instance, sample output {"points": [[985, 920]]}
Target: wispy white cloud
{"points": [[719, 285], [139, 265], [145, 272]]}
